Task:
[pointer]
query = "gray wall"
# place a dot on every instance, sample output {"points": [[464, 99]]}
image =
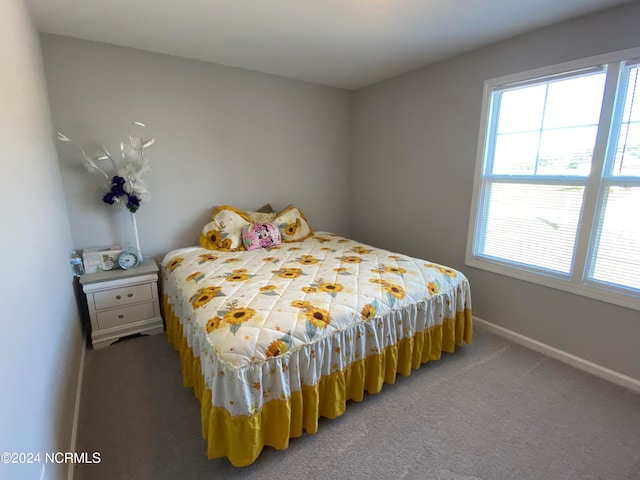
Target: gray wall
{"points": [[415, 144], [231, 136], [39, 321], [224, 136]]}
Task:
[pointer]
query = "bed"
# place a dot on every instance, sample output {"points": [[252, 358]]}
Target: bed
{"points": [[273, 337]]}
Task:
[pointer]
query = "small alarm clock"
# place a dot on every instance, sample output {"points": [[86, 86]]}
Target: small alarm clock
{"points": [[127, 260]]}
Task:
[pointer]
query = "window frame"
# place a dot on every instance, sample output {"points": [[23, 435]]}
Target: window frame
{"points": [[595, 184]]}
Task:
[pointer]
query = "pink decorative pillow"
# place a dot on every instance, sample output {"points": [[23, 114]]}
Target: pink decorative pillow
{"points": [[260, 235]]}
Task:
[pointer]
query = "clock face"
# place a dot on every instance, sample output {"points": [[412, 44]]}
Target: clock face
{"points": [[127, 260]]}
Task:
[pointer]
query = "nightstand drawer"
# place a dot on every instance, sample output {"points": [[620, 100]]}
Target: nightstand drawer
{"points": [[125, 315], [122, 296]]}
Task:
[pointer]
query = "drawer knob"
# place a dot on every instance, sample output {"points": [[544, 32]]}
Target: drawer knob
{"points": [[130, 295], [121, 316], [118, 297]]}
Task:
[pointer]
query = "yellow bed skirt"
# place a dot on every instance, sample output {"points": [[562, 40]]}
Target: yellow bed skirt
{"points": [[242, 438]]}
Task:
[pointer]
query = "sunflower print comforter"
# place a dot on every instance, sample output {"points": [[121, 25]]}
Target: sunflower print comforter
{"points": [[265, 322]]}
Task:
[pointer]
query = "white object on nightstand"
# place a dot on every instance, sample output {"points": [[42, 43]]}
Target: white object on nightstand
{"points": [[123, 302]]}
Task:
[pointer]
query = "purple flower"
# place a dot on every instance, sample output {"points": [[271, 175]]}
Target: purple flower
{"points": [[133, 203], [117, 186], [109, 198], [117, 190]]}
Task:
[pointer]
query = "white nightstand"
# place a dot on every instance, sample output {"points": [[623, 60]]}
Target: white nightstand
{"points": [[123, 302]]}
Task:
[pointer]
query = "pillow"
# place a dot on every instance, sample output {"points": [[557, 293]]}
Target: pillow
{"points": [[293, 224], [266, 208], [224, 231], [261, 217], [260, 235], [264, 214]]}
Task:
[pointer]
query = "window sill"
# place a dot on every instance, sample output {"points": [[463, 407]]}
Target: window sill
{"points": [[602, 293]]}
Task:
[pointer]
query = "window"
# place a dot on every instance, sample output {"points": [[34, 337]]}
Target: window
{"points": [[557, 189]]}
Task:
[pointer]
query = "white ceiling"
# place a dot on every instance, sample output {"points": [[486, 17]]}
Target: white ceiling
{"points": [[343, 43]]}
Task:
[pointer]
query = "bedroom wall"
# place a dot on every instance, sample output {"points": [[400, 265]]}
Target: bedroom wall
{"points": [[42, 338], [416, 136], [224, 136]]}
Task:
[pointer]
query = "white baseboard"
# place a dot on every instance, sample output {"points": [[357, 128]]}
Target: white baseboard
{"points": [[577, 362], [76, 411]]}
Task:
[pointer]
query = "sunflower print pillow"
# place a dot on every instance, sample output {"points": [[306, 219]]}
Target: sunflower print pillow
{"points": [[293, 224], [224, 231]]}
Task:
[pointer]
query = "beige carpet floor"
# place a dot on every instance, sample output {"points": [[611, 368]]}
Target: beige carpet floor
{"points": [[490, 411]]}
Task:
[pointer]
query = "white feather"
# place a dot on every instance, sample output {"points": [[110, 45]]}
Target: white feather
{"points": [[133, 165]]}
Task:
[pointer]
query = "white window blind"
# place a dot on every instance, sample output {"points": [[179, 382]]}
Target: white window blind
{"points": [[531, 224], [615, 256], [557, 192]]}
